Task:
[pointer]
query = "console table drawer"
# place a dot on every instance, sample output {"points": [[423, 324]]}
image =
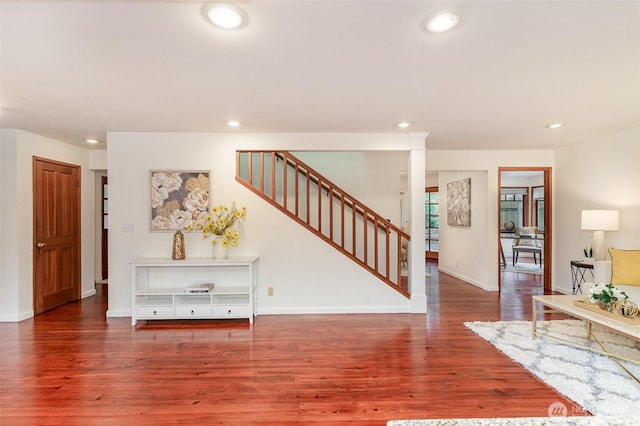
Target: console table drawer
{"points": [[155, 312], [230, 311], [193, 311]]}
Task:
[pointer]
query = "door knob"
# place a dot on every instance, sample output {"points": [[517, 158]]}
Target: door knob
{"points": [[41, 245]]}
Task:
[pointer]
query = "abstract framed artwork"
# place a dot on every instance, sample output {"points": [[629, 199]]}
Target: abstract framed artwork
{"points": [[178, 198], [459, 203]]}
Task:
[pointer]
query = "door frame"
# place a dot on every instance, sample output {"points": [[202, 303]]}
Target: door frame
{"points": [[104, 234], [548, 225]]}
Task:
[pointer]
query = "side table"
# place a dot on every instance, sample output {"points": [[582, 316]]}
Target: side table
{"points": [[578, 269]]}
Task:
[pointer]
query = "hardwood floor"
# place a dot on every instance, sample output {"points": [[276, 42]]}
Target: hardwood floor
{"points": [[72, 366]]}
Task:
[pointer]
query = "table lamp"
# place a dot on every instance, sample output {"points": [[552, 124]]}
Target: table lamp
{"points": [[599, 221]]}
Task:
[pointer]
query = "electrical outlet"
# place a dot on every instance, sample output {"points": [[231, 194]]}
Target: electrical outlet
{"points": [[269, 291]]}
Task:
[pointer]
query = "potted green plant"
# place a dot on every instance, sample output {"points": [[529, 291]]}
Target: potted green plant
{"points": [[588, 255], [604, 295]]}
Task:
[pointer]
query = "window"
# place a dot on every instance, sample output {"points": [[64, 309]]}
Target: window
{"points": [[431, 222], [512, 207], [538, 205], [524, 206]]}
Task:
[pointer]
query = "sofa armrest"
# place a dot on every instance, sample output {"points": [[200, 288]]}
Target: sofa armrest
{"points": [[632, 291]]}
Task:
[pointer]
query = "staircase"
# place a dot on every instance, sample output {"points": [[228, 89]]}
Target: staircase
{"points": [[330, 213]]}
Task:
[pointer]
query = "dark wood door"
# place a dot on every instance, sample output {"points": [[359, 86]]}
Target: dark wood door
{"points": [[56, 245]]}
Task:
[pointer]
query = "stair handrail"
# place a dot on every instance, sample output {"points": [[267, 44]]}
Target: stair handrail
{"points": [[333, 190]]}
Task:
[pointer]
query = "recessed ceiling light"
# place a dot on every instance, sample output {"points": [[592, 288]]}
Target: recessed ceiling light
{"points": [[233, 123], [224, 15], [441, 22], [404, 124], [94, 141], [554, 125]]}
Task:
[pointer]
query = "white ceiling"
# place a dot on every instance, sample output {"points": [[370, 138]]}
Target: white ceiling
{"points": [[73, 70]]}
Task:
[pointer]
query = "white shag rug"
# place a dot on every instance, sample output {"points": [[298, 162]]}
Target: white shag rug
{"points": [[524, 421], [593, 381]]}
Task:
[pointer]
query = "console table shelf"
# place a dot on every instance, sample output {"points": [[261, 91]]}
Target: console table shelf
{"points": [[159, 288]]}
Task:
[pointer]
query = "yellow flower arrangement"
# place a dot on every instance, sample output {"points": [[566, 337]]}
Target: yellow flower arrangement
{"points": [[220, 223]]}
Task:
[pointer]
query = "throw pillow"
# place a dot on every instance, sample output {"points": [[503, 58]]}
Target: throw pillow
{"points": [[625, 266]]}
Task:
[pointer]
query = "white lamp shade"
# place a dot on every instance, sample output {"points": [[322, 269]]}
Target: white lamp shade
{"points": [[599, 220]]}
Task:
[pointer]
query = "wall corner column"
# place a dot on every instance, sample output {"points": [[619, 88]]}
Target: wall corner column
{"points": [[416, 183], [9, 225]]}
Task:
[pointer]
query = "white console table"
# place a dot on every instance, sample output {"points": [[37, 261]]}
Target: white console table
{"points": [[159, 288]]}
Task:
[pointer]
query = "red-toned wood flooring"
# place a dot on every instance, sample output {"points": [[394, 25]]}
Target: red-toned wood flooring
{"points": [[72, 366]]}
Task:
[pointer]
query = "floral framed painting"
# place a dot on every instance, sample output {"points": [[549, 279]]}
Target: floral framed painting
{"points": [[178, 198]]}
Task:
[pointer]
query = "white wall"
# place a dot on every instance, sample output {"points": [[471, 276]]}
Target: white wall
{"points": [[600, 173], [16, 217], [462, 253], [352, 171], [307, 274], [523, 181], [597, 174], [98, 159], [479, 270], [9, 296]]}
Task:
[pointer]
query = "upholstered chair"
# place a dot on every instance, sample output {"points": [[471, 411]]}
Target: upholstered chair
{"points": [[526, 242]]}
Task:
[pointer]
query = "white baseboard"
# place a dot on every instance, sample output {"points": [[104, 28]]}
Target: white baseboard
{"points": [[471, 281], [17, 318], [564, 290], [88, 293], [113, 313], [30, 314], [311, 310]]}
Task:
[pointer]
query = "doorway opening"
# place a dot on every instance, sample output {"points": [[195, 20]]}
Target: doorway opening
{"points": [[431, 223], [104, 233], [525, 228]]}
